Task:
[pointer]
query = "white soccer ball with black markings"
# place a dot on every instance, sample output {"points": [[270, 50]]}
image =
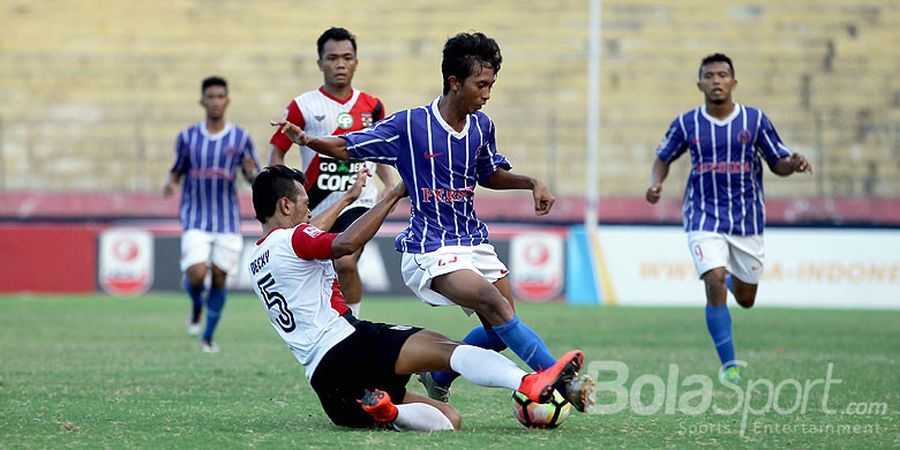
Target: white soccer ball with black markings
{"points": [[541, 415]]}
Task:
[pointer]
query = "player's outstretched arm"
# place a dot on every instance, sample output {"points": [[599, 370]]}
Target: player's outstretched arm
{"points": [[791, 164], [657, 175], [276, 156], [385, 174], [355, 236], [249, 169], [503, 179], [334, 147], [325, 219], [171, 184]]}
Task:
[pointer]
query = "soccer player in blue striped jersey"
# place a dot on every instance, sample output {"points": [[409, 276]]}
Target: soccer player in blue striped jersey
{"points": [[724, 208], [442, 151], [207, 156]]}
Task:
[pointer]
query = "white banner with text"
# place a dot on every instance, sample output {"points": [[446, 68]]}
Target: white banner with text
{"points": [[830, 268]]}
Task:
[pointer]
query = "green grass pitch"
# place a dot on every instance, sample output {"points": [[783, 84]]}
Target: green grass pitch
{"points": [[100, 372]]}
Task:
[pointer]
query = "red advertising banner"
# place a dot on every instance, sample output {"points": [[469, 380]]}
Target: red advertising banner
{"points": [[48, 258]]}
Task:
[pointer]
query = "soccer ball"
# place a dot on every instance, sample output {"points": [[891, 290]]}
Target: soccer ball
{"points": [[541, 415]]}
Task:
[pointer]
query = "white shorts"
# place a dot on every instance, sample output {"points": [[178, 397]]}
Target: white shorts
{"points": [[419, 269], [741, 256], [221, 249]]}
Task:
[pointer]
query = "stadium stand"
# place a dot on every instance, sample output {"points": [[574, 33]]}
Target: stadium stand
{"points": [[92, 98]]}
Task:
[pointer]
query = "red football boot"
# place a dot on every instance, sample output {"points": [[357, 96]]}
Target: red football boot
{"points": [[379, 405], [539, 386]]}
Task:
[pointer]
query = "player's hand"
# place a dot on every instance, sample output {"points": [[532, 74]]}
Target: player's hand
{"points": [[654, 193], [800, 164], [543, 199], [362, 177], [169, 189], [293, 132]]}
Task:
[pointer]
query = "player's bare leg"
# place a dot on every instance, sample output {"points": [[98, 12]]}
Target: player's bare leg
{"points": [[716, 290], [437, 384], [718, 322], [471, 290], [430, 351], [505, 287], [348, 277], [744, 293], [194, 277]]}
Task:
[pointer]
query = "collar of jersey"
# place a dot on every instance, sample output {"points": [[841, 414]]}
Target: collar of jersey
{"points": [[217, 136], [437, 114], [353, 94], [260, 241], [725, 121]]}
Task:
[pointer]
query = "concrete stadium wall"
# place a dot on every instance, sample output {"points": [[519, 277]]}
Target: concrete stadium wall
{"points": [[92, 94]]}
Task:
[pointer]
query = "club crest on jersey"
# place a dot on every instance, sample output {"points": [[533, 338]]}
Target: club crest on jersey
{"points": [[312, 231], [345, 120], [744, 136], [230, 150], [366, 119]]}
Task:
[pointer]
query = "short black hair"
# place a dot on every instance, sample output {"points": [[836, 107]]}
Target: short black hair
{"points": [[715, 57], [213, 81], [463, 51], [335, 34], [270, 185]]}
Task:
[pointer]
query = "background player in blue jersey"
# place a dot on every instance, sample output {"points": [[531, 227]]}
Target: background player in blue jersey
{"points": [[724, 209], [443, 150], [207, 156]]}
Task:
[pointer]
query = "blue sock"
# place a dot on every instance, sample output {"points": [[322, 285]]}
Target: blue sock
{"points": [[718, 321], [214, 305], [526, 344], [479, 337], [728, 283], [196, 294]]}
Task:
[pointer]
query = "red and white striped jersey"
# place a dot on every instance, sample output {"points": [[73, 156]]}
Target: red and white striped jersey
{"points": [[292, 273], [320, 114]]}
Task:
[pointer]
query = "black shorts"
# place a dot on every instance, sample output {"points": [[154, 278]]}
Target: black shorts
{"points": [[347, 218], [364, 360]]}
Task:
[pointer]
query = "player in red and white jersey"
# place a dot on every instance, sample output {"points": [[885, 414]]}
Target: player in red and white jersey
{"points": [[360, 369], [332, 110]]}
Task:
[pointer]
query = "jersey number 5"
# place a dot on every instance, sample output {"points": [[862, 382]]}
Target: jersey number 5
{"points": [[285, 318]]}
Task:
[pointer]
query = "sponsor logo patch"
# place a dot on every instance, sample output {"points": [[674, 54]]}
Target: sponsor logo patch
{"points": [[312, 231]]}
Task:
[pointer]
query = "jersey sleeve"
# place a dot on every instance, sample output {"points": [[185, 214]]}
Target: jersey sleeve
{"points": [[379, 143], [182, 160], [768, 143], [293, 115], [489, 160], [674, 143], [310, 242], [378, 110]]}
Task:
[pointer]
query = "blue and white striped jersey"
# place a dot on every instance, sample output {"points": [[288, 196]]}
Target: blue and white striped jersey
{"points": [[440, 168], [724, 192], [209, 165]]}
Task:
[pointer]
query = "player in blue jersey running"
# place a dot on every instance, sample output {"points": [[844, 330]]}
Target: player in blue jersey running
{"points": [[724, 210], [442, 151], [208, 155]]}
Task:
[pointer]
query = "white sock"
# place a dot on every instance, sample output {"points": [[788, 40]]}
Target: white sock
{"points": [[354, 308], [420, 417], [486, 367]]}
